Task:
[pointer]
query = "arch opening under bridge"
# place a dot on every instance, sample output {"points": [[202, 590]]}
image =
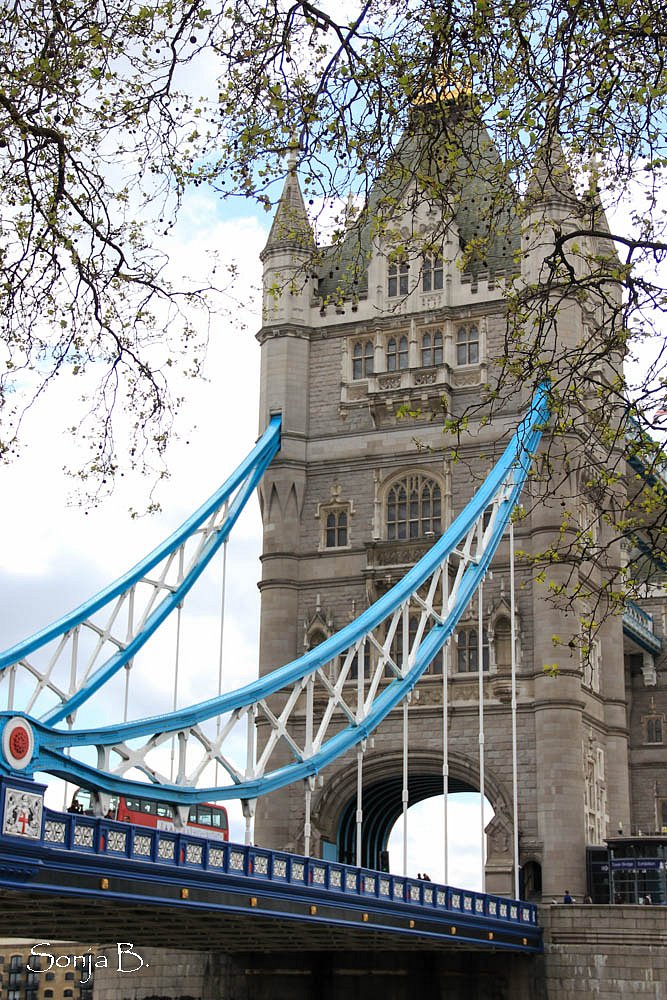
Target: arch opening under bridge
{"points": [[382, 808]]}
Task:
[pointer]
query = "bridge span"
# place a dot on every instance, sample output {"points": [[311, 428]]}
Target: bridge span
{"points": [[82, 877]]}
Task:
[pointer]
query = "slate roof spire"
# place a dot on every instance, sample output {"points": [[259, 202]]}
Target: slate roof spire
{"points": [[551, 179], [291, 229]]}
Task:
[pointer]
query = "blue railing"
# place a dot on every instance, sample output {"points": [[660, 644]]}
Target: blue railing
{"points": [[639, 625], [638, 615], [168, 848]]}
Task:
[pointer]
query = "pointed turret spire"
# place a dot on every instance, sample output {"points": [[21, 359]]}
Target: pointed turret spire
{"points": [[291, 229], [551, 179]]}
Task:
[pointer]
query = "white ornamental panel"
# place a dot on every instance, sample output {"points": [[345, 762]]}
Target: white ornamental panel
{"points": [[23, 814]]}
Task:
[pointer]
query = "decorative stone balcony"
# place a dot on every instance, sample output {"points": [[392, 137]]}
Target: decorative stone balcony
{"points": [[424, 389]]}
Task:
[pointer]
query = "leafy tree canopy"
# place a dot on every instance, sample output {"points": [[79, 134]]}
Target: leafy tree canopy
{"points": [[109, 111]]}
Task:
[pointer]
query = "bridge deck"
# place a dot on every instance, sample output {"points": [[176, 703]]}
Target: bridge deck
{"points": [[82, 876]]}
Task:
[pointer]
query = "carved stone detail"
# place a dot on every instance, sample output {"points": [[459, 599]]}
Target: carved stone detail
{"points": [[393, 554], [499, 834], [355, 392], [467, 378]]}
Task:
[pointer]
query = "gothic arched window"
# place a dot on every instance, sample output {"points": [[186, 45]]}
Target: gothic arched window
{"points": [[432, 274], [396, 649], [467, 652], [336, 529], [316, 638], [414, 507], [397, 279], [335, 524], [654, 729], [362, 359], [397, 354], [503, 643], [364, 655], [432, 349], [467, 346]]}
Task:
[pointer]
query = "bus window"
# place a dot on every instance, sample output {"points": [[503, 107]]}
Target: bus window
{"points": [[207, 816], [83, 797]]}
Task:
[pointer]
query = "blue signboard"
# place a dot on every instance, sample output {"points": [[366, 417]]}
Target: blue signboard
{"points": [[638, 864]]}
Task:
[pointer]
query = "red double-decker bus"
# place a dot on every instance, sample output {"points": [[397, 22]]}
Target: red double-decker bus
{"points": [[206, 819]]}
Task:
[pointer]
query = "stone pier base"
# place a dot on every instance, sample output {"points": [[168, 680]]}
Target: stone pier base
{"points": [[601, 952]]}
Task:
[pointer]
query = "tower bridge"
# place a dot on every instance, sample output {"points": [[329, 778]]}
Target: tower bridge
{"points": [[403, 648], [35, 843], [98, 879]]}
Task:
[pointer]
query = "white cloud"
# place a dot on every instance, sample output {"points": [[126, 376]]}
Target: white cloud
{"points": [[426, 840], [56, 554]]}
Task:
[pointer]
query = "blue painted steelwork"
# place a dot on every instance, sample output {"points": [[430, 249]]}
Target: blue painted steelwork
{"points": [[498, 494], [244, 479], [638, 625], [642, 447], [72, 843]]}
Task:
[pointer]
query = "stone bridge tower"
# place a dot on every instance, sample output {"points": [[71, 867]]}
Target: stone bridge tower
{"points": [[350, 339]]}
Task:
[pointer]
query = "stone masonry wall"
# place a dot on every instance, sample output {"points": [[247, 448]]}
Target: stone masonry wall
{"points": [[605, 952], [165, 975], [597, 952]]}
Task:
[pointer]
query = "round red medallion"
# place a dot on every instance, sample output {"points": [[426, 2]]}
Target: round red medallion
{"points": [[19, 742]]}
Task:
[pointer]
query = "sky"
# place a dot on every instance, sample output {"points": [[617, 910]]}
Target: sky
{"points": [[55, 554]]}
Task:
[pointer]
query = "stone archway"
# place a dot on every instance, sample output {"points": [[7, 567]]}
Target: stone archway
{"points": [[382, 806], [335, 812]]}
